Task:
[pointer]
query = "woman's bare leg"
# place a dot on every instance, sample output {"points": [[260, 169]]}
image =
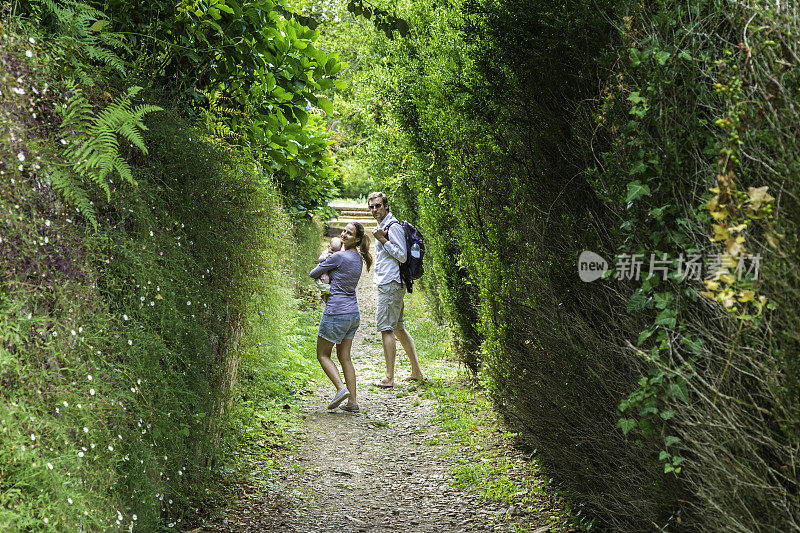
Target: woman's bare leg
{"points": [[343, 353], [324, 349]]}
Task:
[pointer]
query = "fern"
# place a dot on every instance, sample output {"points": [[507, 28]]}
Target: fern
{"points": [[216, 116], [79, 35], [94, 154]]}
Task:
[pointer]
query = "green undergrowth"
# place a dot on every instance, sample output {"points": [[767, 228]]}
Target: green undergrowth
{"points": [[491, 463], [278, 366]]}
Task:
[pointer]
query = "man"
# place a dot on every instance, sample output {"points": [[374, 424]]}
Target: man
{"points": [[390, 252]]}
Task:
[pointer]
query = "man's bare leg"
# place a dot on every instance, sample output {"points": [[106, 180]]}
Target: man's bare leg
{"points": [[390, 354], [411, 351]]}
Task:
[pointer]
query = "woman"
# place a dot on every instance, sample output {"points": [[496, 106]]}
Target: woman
{"points": [[340, 319]]}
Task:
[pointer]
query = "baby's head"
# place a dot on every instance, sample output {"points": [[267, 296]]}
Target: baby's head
{"points": [[336, 244]]}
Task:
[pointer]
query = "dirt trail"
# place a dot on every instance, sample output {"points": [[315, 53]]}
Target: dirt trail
{"points": [[387, 468]]}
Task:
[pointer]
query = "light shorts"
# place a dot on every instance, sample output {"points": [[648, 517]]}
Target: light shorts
{"points": [[389, 314], [337, 328]]}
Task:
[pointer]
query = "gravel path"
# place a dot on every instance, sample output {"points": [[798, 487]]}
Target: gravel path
{"points": [[387, 468]]}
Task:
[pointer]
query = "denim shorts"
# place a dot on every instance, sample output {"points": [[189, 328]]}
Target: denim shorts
{"points": [[336, 328]]}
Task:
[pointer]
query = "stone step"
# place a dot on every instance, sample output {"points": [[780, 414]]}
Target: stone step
{"points": [[355, 213]]}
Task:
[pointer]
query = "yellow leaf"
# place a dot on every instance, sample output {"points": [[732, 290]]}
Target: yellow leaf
{"points": [[758, 196], [746, 296], [708, 294], [727, 278], [734, 247], [711, 284], [713, 204], [773, 239], [720, 233], [728, 262], [719, 215], [740, 227], [727, 299]]}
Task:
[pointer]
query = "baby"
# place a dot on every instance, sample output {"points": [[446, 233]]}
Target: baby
{"points": [[324, 281]]}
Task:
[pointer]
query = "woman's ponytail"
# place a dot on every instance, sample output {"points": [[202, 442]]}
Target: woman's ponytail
{"points": [[363, 246]]}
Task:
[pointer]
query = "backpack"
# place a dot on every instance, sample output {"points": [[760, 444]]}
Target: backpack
{"points": [[412, 268]]}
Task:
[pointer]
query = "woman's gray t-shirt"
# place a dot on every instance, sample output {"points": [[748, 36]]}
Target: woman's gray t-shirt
{"points": [[344, 269]]}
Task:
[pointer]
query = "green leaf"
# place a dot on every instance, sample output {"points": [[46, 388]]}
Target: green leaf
{"points": [[626, 425], [643, 336], [664, 455], [666, 318], [667, 414], [671, 440], [99, 25], [662, 57], [635, 99], [636, 57], [638, 168], [663, 299], [636, 190], [325, 104], [638, 301]]}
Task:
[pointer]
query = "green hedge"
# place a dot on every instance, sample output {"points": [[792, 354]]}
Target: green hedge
{"points": [[532, 131], [120, 345]]}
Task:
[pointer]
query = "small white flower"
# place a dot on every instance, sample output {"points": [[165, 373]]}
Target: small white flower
{"points": [[33, 437], [32, 40], [63, 141], [91, 391], [130, 342], [47, 223], [50, 466], [85, 429], [78, 406], [133, 517], [29, 53], [89, 377], [69, 500], [80, 454], [74, 332], [46, 520], [110, 448], [66, 404], [151, 233], [125, 317], [21, 156], [188, 302], [133, 389]]}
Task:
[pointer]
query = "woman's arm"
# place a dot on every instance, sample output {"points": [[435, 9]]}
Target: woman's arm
{"points": [[328, 264]]}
